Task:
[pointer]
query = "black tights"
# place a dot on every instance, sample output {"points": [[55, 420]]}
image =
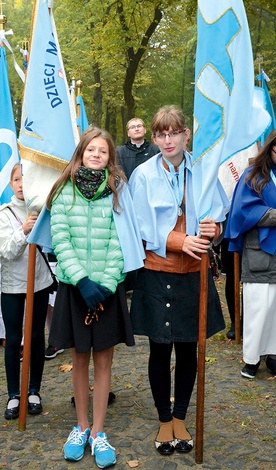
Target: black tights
{"points": [[160, 377], [13, 313]]}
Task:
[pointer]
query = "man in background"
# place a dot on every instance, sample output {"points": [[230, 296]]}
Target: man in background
{"points": [[137, 149]]}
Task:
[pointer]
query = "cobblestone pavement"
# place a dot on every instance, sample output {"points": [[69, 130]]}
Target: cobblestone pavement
{"points": [[239, 420]]}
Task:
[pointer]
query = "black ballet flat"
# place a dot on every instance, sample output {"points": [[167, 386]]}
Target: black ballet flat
{"points": [[34, 404], [183, 445], [164, 448], [12, 413]]}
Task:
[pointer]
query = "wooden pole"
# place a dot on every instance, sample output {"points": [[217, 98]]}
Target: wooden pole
{"points": [[78, 111], [237, 298], [3, 20], [203, 298], [27, 339]]}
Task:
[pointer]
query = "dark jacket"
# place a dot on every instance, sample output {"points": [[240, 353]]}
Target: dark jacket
{"points": [[129, 155], [257, 265]]}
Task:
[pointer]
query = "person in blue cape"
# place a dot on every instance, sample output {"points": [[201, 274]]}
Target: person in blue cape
{"points": [[96, 240], [165, 299], [251, 231]]}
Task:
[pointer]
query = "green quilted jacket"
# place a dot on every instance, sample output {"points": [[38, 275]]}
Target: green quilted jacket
{"points": [[85, 240]]}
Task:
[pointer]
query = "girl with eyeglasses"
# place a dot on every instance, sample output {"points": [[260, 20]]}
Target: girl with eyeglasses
{"points": [[165, 299]]}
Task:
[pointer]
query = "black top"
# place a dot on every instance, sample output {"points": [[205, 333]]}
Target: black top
{"points": [[130, 155]]}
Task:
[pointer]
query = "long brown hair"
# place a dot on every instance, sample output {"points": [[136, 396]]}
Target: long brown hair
{"points": [[114, 171], [259, 175]]}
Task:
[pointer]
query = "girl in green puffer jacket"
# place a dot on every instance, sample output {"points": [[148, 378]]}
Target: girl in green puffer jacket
{"points": [[90, 309]]}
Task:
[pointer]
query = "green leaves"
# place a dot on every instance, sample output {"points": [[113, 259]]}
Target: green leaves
{"points": [[134, 57]]}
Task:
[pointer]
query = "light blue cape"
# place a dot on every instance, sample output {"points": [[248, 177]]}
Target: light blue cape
{"points": [[155, 203], [126, 226]]}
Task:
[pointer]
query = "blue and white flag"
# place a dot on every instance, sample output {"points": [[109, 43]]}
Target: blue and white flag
{"points": [[48, 134], [8, 142], [263, 78], [229, 113], [82, 121]]}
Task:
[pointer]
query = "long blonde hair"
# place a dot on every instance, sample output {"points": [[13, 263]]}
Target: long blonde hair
{"points": [[114, 171]]}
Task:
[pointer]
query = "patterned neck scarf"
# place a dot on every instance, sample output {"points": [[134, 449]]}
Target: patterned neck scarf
{"points": [[89, 181]]}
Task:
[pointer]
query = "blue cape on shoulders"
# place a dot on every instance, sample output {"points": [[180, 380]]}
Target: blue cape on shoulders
{"points": [[247, 208]]}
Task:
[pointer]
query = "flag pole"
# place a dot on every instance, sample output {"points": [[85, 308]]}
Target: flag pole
{"points": [[73, 92], [78, 111], [81, 118], [27, 339], [27, 331], [3, 20], [202, 326], [25, 53], [79, 87]]}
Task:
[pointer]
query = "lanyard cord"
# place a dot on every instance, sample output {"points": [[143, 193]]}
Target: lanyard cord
{"points": [[177, 180]]}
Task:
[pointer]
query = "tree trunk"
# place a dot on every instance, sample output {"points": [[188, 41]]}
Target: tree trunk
{"points": [[133, 59], [98, 98]]}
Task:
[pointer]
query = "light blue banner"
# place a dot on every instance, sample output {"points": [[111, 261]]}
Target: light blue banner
{"points": [[268, 106], [48, 132], [8, 142], [229, 112], [82, 121]]}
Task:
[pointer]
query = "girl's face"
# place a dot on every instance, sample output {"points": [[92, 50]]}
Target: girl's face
{"points": [[171, 144], [16, 184], [273, 154], [96, 154]]}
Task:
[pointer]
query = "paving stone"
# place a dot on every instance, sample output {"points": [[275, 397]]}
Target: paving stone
{"points": [[239, 418]]}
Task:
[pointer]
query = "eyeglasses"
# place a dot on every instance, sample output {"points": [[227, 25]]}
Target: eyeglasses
{"points": [[135, 126], [274, 151], [172, 134]]}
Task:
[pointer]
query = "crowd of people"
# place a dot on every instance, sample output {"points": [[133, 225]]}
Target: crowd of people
{"points": [[124, 218]]}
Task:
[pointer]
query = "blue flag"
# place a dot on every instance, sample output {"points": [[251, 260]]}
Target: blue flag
{"points": [[41, 233], [82, 121], [263, 78], [229, 112], [8, 142], [48, 134]]}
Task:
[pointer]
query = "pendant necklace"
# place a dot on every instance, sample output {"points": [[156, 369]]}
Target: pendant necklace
{"points": [[177, 183]]}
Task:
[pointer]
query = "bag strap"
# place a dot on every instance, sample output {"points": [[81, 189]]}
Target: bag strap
{"points": [[45, 259], [15, 215]]}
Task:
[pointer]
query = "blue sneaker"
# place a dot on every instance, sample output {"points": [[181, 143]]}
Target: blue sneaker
{"points": [[104, 453], [77, 440]]}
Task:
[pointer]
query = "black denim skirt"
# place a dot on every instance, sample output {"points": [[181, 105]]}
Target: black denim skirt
{"points": [[165, 306]]}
